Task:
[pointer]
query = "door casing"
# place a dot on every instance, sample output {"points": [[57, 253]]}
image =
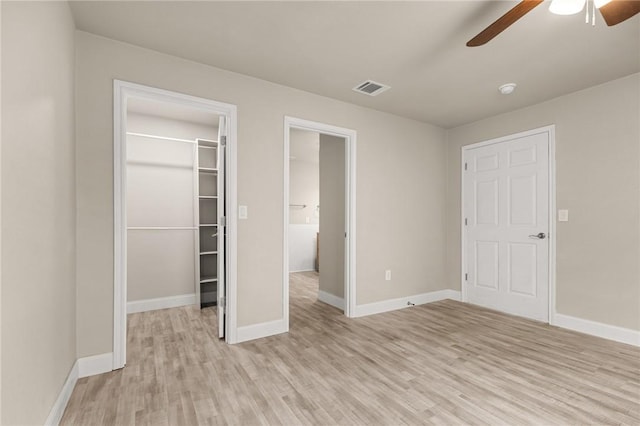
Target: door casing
{"points": [[350, 210], [550, 130], [122, 91]]}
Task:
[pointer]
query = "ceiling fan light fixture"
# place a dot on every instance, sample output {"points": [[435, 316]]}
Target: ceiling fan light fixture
{"points": [[567, 7], [507, 89]]}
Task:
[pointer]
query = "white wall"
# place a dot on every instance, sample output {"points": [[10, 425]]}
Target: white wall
{"points": [[302, 247], [304, 189], [598, 181], [147, 123], [399, 163], [38, 208], [332, 219]]}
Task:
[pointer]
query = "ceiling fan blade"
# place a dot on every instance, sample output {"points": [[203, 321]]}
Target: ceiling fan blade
{"points": [[503, 22], [619, 10]]}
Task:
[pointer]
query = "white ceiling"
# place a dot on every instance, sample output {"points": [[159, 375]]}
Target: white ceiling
{"points": [[418, 48]]}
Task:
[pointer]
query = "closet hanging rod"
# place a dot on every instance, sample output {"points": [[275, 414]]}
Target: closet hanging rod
{"points": [[302, 206], [159, 164], [164, 138], [161, 228]]}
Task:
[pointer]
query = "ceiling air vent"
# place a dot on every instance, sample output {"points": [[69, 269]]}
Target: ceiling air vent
{"points": [[371, 88]]}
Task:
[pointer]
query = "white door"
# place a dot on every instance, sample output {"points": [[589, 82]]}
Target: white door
{"points": [[222, 230], [506, 209]]}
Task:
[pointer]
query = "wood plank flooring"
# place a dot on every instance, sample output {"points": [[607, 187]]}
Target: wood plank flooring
{"points": [[444, 363]]}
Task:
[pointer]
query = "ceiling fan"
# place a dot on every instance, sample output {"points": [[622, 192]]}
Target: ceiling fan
{"points": [[613, 12]]}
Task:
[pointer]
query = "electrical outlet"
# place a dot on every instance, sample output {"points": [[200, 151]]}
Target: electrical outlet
{"points": [[387, 275]]}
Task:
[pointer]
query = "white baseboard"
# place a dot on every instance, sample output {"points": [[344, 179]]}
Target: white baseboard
{"points": [[403, 302], [598, 329], [83, 367], [55, 415], [161, 303], [96, 364], [331, 299], [257, 331]]}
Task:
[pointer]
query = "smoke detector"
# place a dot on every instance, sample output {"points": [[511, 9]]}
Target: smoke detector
{"points": [[371, 88]]}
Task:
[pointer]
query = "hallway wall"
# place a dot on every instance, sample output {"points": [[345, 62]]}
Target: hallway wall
{"points": [[38, 208]]}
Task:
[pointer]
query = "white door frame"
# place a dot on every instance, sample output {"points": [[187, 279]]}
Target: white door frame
{"points": [[122, 91], [350, 209], [551, 131]]}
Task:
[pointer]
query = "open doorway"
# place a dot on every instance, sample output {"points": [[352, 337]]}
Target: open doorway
{"points": [[316, 176], [175, 238], [319, 216], [167, 191]]}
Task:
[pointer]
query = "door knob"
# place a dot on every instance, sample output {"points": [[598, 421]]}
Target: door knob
{"points": [[540, 236]]}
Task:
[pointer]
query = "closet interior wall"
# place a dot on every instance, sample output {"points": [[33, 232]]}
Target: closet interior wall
{"points": [[162, 203]]}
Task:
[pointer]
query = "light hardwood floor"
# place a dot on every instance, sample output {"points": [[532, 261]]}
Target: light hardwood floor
{"points": [[441, 363]]}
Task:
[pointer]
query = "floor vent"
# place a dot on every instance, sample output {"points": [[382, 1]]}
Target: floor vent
{"points": [[371, 88]]}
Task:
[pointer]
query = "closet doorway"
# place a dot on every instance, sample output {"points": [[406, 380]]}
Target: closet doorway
{"points": [[319, 236], [174, 233]]}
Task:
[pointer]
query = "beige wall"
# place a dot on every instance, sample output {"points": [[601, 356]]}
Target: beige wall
{"points": [[332, 214], [304, 188], [401, 222], [598, 181], [38, 208], [304, 184]]}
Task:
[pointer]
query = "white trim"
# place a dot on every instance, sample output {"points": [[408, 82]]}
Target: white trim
{"points": [[160, 303], [552, 223], [463, 232], [231, 197], [196, 222], [551, 130], [119, 226], [55, 415], [163, 138], [405, 302], [258, 331], [96, 364], [162, 228], [350, 137], [598, 329], [122, 91], [285, 225], [331, 299]]}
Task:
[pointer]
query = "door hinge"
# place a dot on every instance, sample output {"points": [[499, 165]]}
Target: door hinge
{"points": [[222, 302], [465, 166], [466, 277], [465, 221], [223, 221], [223, 140]]}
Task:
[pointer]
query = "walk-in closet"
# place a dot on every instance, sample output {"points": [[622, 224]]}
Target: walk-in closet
{"points": [[174, 206]]}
